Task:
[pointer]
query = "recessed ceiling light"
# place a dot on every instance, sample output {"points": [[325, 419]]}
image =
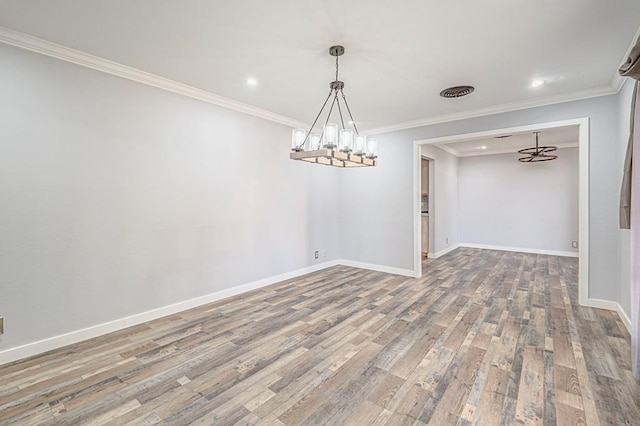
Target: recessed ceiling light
{"points": [[252, 82], [483, 147], [537, 83]]}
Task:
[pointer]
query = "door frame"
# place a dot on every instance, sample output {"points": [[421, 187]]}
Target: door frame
{"points": [[583, 191]]}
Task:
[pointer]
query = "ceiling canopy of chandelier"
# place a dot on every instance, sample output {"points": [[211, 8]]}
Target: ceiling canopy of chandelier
{"points": [[537, 153], [335, 145]]}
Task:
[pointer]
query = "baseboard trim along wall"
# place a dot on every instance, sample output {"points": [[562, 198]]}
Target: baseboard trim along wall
{"points": [[55, 342], [442, 252], [378, 268], [610, 306], [521, 250]]}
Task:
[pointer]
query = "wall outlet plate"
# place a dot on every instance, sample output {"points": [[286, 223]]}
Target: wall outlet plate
{"points": [[316, 254], [1, 325], [574, 244]]}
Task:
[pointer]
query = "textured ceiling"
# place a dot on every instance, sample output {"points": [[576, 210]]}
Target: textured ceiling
{"points": [[399, 55]]}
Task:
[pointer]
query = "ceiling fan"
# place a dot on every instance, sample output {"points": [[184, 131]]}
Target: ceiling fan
{"points": [[537, 153]]}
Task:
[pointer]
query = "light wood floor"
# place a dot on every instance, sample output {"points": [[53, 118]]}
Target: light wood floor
{"points": [[484, 337]]}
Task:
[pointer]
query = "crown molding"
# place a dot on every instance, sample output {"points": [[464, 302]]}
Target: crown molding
{"points": [[497, 109], [508, 150], [54, 50], [614, 87], [58, 51], [494, 151], [446, 148]]}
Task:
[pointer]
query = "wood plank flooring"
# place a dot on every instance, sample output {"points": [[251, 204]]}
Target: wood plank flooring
{"points": [[484, 337]]}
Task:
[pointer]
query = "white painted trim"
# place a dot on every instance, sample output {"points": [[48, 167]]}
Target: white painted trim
{"points": [[497, 109], [459, 154], [58, 51], [378, 268], [624, 317], [610, 306], [583, 189], [449, 149], [583, 208], [521, 250], [38, 45], [417, 211], [486, 134], [443, 252], [55, 342]]}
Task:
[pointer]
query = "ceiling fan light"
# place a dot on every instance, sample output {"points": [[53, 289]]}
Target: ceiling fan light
{"points": [[537, 153]]}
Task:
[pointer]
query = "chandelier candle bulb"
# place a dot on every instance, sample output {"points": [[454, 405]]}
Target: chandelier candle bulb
{"points": [[297, 139], [361, 144], [346, 140], [372, 148], [313, 142], [330, 135]]}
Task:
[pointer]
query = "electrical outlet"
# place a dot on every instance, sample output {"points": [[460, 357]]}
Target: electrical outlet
{"points": [[574, 244], [446, 241], [1, 325], [316, 254]]}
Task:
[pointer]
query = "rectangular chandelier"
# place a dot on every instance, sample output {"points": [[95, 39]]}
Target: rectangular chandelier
{"points": [[334, 146], [330, 157]]}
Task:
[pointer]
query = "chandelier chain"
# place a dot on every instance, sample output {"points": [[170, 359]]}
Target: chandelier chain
{"points": [[335, 98], [339, 110]]}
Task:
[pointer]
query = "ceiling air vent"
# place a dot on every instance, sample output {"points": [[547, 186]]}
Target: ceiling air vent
{"points": [[457, 91]]}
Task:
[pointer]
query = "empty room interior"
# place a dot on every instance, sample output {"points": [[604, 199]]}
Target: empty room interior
{"points": [[319, 212]]}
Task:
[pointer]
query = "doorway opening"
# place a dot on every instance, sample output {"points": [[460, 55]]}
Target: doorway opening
{"points": [[426, 202], [444, 234]]}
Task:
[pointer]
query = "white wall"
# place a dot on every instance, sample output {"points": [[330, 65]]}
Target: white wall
{"points": [[388, 190], [119, 198], [443, 199], [510, 204], [372, 225]]}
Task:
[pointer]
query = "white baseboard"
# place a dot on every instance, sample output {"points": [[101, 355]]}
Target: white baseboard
{"points": [[378, 268], [442, 252], [55, 342], [610, 306], [521, 250], [30, 349]]}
